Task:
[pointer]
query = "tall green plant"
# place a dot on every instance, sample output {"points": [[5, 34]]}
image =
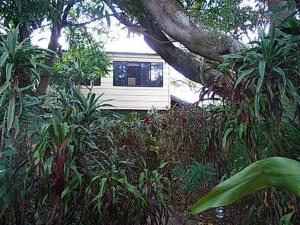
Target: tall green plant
{"points": [[268, 74], [20, 63]]}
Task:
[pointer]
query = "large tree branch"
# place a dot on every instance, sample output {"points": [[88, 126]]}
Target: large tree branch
{"points": [[188, 64], [198, 38], [67, 10]]}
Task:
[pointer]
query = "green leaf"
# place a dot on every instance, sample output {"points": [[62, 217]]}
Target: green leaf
{"points": [[2, 99], [130, 188], [272, 172], [16, 125], [4, 87], [48, 166], [261, 72], [19, 5], [256, 105], [224, 141], [242, 75], [99, 196], [286, 219], [293, 91], [3, 58], [163, 165], [281, 72], [10, 113], [8, 70], [242, 127], [232, 56], [65, 192], [92, 145]]}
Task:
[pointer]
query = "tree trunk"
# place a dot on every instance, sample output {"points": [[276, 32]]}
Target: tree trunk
{"points": [[24, 32], [53, 46], [62, 9]]}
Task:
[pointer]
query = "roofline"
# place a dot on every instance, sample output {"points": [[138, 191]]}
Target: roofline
{"points": [[132, 53], [179, 100]]}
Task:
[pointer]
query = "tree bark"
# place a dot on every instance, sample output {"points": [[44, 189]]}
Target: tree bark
{"points": [[53, 46], [195, 36], [188, 64]]}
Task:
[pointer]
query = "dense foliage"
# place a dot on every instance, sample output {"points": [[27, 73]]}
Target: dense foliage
{"points": [[65, 160], [52, 172]]}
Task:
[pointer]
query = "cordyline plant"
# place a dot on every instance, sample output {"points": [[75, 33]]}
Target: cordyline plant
{"points": [[89, 183]]}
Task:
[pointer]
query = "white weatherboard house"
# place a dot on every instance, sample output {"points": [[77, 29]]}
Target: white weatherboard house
{"points": [[137, 81]]}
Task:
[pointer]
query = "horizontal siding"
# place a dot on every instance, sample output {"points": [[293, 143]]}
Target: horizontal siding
{"points": [[129, 91], [136, 98], [139, 100], [139, 105], [108, 85]]}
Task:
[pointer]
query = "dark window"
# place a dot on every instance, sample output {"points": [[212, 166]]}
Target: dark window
{"points": [[97, 81], [143, 74]]}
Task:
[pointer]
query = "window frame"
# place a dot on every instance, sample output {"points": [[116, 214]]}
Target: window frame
{"points": [[139, 62]]}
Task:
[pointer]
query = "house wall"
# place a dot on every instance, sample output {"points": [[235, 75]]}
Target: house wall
{"points": [[135, 98]]}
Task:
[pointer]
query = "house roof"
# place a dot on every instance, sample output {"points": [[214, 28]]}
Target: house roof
{"points": [[179, 102], [132, 53]]}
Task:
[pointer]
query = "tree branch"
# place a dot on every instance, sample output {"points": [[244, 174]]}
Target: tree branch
{"points": [[87, 22], [122, 19], [195, 36], [67, 10], [188, 64]]}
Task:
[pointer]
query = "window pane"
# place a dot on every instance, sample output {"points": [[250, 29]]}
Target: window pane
{"points": [[156, 75], [87, 82], [134, 74], [145, 74], [120, 76], [97, 81]]}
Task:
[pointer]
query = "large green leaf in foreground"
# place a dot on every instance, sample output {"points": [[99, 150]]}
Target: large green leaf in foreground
{"points": [[272, 172]]}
